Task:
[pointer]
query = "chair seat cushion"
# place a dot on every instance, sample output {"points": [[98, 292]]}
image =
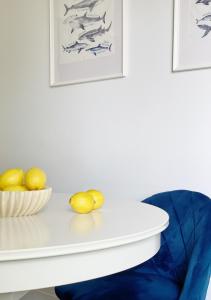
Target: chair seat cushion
{"points": [[127, 285]]}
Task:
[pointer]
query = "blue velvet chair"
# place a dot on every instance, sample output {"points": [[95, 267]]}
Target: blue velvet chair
{"points": [[180, 270]]}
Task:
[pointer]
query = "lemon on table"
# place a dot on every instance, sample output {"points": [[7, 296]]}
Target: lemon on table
{"points": [[81, 203], [11, 177], [97, 197], [35, 179], [15, 188]]}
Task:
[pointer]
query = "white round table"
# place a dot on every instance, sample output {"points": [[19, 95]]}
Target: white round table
{"points": [[58, 246]]}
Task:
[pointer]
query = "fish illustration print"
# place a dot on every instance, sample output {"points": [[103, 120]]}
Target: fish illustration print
{"points": [[66, 9], [100, 48], [205, 27], [89, 4], [76, 47], [205, 2], [82, 21], [205, 18], [92, 34], [70, 19]]}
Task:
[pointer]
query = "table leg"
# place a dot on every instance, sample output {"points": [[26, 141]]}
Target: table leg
{"points": [[13, 296]]}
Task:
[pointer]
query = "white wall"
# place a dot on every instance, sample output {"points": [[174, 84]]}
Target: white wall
{"points": [[128, 137]]}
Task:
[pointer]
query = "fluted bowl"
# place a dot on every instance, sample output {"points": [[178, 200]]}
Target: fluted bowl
{"points": [[27, 203]]}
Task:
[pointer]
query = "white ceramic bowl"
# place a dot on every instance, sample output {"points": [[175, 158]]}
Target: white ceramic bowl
{"points": [[17, 204]]}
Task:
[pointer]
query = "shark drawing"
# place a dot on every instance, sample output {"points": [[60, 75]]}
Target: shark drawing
{"points": [[83, 21], [205, 2], [205, 18], [100, 48], [92, 34], [70, 19], [76, 47], [205, 27], [66, 9], [84, 4]]}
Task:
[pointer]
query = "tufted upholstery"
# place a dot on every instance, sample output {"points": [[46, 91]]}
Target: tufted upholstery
{"points": [[179, 271]]}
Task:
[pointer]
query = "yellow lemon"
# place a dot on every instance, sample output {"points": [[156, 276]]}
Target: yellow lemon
{"points": [[11, 177], [97, 197], [15, 188], [81, 203], [35, 179]]}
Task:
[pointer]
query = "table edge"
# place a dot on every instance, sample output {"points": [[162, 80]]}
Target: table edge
{"points": [[24, 254]]}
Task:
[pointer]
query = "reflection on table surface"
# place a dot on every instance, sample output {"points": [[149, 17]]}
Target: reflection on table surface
{"points": [[36, 232], [23, 232], [57, 226], [86, 224]]}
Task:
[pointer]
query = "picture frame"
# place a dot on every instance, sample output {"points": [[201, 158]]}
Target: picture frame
{"points": [[87, 41], [192, 35]]}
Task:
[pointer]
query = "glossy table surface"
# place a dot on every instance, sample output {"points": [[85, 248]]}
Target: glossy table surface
{"points": [[57, 230], [57, 235]]}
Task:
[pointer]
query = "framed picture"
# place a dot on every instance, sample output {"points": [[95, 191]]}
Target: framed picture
{"points": [[192, 35], [86, 40]]}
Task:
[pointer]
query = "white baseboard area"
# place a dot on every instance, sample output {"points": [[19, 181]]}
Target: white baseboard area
{"points": [[44, 294]]}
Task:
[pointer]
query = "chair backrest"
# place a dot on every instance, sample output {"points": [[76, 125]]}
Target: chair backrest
{"points": [[185, 253]]}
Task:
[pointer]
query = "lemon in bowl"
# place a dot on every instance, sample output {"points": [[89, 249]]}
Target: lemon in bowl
{"points": [[35, 179], [23, 195], [11, 177], [15, 188]]}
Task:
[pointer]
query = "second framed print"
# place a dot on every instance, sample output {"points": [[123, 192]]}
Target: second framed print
{"points": [[192, 34]]}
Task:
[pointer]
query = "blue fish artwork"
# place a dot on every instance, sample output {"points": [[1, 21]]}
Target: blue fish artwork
{"points": [[81, 22], [92, 34], [204, 18], [76, 47], [86, 29], [205, 2], [85, 4], [206, 28], [100, 48]]}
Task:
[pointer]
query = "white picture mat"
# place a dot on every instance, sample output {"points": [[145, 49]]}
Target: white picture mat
{"points": [[104, 67], [190, 50]]}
